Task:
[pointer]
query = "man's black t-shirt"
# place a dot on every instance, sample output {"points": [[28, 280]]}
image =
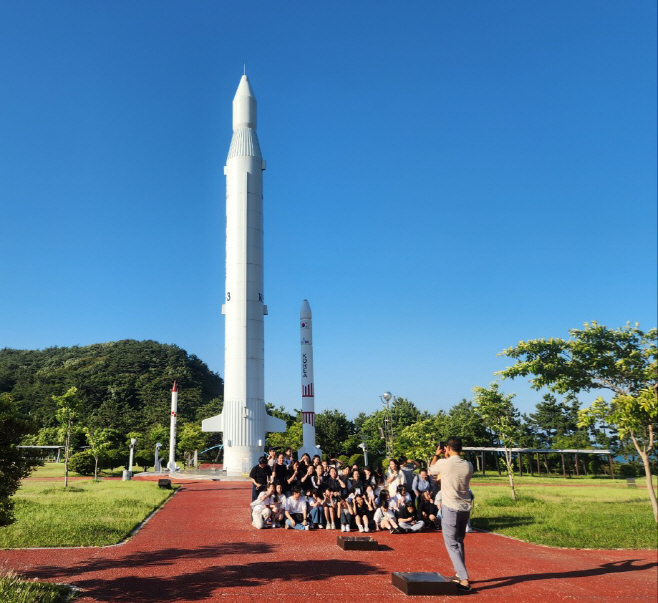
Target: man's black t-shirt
{"points": [[261, 474]]}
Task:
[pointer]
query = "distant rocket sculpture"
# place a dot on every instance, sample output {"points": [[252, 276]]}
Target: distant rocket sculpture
{"points": [[243, 421], [308, 382], [171, 465]]}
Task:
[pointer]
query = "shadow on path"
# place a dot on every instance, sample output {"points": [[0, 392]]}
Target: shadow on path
{"points": [[200, 585], [161, 557], [614, 567]]}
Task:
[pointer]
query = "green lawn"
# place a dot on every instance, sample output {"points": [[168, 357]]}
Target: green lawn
{"points": [[86, 513], [608, 517], [57, 470], [16, 590]]}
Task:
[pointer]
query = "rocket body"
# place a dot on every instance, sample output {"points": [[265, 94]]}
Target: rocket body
{"points": [[308, 382], [244, 421], [171, 465]]}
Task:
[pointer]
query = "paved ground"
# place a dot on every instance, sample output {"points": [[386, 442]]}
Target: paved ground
{"points": [[201, 547]]}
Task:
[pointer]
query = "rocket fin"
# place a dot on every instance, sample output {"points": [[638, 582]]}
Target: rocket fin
{"points": [[215, 423], [273, 424]]}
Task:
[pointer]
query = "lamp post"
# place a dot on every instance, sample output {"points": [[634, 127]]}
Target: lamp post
{"points": [[386, 397], [158, 466], [133, 441], [362, 445]]}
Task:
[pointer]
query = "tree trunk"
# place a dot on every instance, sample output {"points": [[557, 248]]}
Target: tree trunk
{"points": [[66, 454], [652, 494], [510, 473], [96, 469]]}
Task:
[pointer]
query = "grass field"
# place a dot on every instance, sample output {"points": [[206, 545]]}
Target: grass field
{"points": [[86, 513], [16, 590], [57, 470], [598, 516]]}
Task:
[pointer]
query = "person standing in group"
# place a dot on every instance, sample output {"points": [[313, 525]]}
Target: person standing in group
{"points": [[455, 474], [260, 476]]}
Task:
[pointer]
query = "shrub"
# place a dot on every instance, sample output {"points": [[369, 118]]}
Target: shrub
{"points": [[82, 462], [358, 459]]}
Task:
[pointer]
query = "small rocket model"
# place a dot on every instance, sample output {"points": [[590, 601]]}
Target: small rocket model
{"points": [[243, 421], [171, 465], [308, 383]]}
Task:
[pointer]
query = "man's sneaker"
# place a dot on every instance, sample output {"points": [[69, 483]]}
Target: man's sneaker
{"points": [[366, 529], [347, 528], [307, 527], [361, 529], [342, 527], [320, 526]]}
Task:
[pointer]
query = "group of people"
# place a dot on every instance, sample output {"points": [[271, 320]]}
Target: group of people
{"points": [[311, 493]]}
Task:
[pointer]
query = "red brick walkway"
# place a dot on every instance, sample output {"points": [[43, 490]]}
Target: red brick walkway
{"points": [[201, 547]]}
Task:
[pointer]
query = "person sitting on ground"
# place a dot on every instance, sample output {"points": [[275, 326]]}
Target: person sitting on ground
{"points": [[278, 490], [335, 484], [319, 480], [296, 509], [428, 511], [260, 508], [385, 519], [422, 483], [344, 509], [394, 477], [329, 506], [260, 476], [315, 509], [401, 497], [306, 481], [355, 484], [407, 520], [362, 511]]}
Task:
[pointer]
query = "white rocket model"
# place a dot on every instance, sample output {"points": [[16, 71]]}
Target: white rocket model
{"points": [[171, 465], [243, 420], [308, 382]]}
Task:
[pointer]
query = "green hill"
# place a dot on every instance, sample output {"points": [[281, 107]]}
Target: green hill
{"points": [[125, 385]]}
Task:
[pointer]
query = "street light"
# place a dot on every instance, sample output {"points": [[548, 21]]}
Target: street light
{"points": [[133, 441], [362, 445], [158, 466], [388, 424]]}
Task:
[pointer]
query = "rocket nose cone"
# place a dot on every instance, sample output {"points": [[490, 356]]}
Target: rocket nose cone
{"points": [[244, 88], [244, 106], [305, 311]]}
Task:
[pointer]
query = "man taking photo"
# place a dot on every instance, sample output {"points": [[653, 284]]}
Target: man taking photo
{"points": [[455, 474]]}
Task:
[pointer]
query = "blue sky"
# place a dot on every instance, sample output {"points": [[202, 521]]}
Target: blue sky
{"points": [[444, 179]]}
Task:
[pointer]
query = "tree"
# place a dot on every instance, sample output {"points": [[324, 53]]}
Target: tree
{"points": [[291, 437], [623, 361], [190, 438], [465, 422], [502, 418], [333, 429], [636, 417], [68, 411], [99, 442], [14, 464], [419, 440]]}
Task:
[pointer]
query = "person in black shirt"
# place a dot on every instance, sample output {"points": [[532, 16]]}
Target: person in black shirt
{"points": [[306, 479], [260, 476], [355, 484], [281, 471], [428, 512]]}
